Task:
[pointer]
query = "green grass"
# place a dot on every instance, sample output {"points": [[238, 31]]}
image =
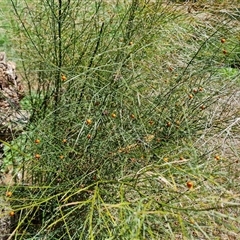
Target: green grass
{"points": [[3, 27], [6, 29], [136, 103]]}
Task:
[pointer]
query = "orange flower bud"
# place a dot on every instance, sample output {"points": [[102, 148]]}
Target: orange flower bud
{"points": [[190, 184]]}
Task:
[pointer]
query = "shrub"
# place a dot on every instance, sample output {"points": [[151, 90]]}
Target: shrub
{"points": [[118, 94]]}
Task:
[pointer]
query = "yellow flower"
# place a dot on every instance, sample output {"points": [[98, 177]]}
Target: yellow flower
{"points": [[8, 194], [88, 121], [11, 214], [165, 159], [64, 78]]}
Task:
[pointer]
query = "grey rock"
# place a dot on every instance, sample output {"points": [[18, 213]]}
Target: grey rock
{"points": [[11, 92]]}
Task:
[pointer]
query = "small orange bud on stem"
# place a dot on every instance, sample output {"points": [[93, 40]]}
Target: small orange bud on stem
{"points": [[190, 184]]}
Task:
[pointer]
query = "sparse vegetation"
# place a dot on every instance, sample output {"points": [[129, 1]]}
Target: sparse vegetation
{"points": [[134, 123]]}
